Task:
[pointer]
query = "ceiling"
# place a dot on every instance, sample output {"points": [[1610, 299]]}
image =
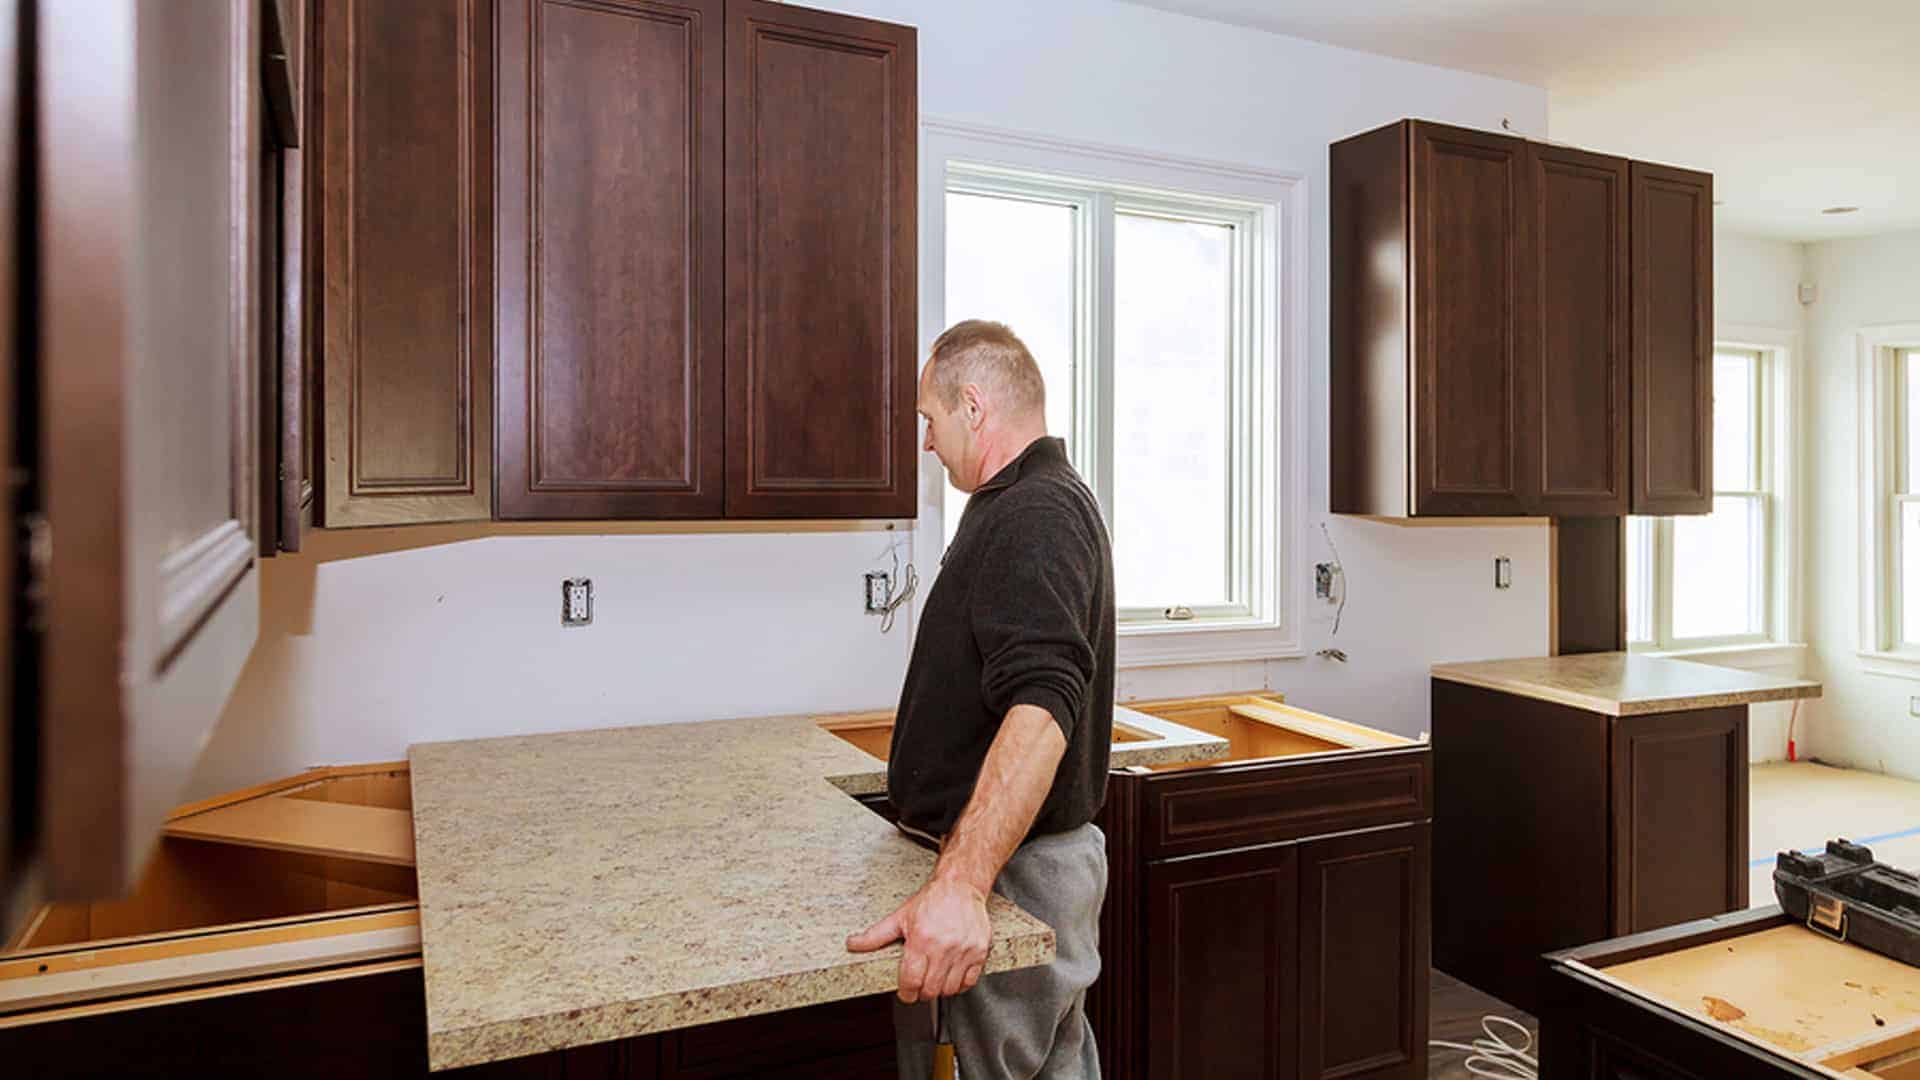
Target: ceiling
{"points": [[1793, 107]]}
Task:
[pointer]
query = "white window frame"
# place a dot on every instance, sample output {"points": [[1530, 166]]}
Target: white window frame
{"points": [[1777, 593], [1267, 209], [1881, 350]]}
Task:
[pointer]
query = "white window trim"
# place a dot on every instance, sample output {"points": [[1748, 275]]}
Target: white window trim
{"points": [[1878, 348], [1784, 611], [1281, 304]]}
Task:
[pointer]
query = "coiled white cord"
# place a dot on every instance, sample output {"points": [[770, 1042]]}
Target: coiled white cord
{"points": [[1494, 1056]]}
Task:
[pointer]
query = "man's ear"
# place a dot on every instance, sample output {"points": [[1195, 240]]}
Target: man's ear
{"points": [[973, 404]]}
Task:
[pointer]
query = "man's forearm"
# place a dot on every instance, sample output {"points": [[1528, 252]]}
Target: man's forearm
{"points": [[1013, 783]]}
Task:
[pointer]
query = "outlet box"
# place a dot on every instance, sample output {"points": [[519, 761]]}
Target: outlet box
{"points": [[1323, 581], [1913, 706], [879, 592], [1503, 573], [576, 602]]}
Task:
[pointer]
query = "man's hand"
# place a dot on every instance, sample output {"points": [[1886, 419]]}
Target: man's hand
{"points": [[947, 933]]}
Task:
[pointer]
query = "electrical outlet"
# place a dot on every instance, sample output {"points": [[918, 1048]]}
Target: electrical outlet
{"points": [[1913, 706], [1323, 581], [879, 591], [576, 602], [1503, 573]]}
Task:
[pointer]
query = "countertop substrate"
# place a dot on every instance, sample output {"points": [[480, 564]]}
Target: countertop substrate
{"points": [[1623, 684], [597, 885]]}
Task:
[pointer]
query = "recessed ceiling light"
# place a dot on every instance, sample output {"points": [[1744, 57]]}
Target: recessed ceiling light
{"points": [[1841, 210]]}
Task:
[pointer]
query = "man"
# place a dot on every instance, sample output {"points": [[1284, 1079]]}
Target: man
{"points": [[999, 756]]}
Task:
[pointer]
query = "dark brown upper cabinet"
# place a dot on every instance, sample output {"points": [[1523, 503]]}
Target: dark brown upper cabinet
{"points": [[1672, 340], [820, 188], [610, 280], [405, 139], [1517, 329], [1576, 329]]}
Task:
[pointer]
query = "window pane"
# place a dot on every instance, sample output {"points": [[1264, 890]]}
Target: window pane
{"points": [[1715, 564], [1910, 572], [1640, 578], [1172, 362], [1011, 261], [1733, 422], [1910, 371]]}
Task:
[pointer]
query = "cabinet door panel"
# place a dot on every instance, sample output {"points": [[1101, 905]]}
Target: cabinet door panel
{"points": [[148, 272], [1680, 817], [406, 130], [1672, 340], [610, 271], [1364, 954], [820, 263], [1576, 325], [1222, 945], [1470, 408]]}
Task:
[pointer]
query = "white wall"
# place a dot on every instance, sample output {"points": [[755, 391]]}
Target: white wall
{"points": [[365, 652], [1863, 719]]}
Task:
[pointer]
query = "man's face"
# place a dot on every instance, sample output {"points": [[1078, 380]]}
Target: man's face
{"points": [[949, 436]]}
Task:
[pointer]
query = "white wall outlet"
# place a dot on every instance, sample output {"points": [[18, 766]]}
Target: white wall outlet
{"points": [[879, 592], [1323, 581], [576, 601], [1502, 572], [1913, 706]]}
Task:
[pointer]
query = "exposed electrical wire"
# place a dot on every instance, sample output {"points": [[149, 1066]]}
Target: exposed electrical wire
{"points": [[901, 592], [1494, 1056], [1792, 718], [1341, 572]]}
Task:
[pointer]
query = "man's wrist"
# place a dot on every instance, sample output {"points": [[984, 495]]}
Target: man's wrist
{"points": [[955, 875]]}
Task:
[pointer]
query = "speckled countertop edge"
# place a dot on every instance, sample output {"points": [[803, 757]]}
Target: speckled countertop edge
{"points": [[1624, 684]]}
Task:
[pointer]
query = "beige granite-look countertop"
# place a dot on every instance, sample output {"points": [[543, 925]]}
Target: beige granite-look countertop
{"points": [[1626, 684], [596, 885]]}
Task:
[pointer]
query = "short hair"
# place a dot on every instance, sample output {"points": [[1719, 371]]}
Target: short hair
{"points": [[990, 356]]}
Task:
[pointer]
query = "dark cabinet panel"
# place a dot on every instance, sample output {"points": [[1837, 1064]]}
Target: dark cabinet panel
{"points": [[1672, 340], [1576, 329], [1222, 944], [406, 134], [610, 278], [1679, 817], [1364, 954], [1236, 805], [821, 302], [1469, 408], [1368, 331]]}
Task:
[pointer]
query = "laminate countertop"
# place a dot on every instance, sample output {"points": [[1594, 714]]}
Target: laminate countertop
{"points": [[1626, 684], [596, 885]]}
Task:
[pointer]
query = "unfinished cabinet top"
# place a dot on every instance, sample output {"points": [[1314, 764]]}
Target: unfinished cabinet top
{"points": [[1623, 684], [596, 885]]}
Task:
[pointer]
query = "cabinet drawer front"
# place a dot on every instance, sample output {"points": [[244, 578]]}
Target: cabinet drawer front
{"points": [[839, 1038], [1234, 806]]}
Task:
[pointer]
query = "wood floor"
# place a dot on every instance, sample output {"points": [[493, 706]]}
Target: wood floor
{"points": [[1457, 1009]]}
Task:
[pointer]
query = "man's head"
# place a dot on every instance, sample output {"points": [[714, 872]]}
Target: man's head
{"points": [[983, 399]]}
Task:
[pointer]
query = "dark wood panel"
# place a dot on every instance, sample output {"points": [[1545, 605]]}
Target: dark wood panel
{"points": [[839, 1039], [1520, 836], [1222, 942], [406, 125], [1589, 585], [821, 302], [19, 726], [1672, 340], [1364, 954], [1114, 999], [1679, 816], [1472, 443], [1368, 389], [610, 286], [1262, 802], [1576, 328]]}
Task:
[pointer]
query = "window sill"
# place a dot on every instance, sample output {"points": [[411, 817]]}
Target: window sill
{"points": [[1144, 645], [1753, 656], [1892, 665]]}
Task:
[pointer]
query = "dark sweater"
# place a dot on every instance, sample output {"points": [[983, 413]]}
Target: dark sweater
{"points": [[1021, 613]]}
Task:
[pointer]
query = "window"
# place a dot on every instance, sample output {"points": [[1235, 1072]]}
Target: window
{"points": [[1153, 301], [1709, 579], [1890, 477]]}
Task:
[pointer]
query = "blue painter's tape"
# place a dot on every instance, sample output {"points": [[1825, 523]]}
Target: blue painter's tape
{"points": [[1867, 840]]}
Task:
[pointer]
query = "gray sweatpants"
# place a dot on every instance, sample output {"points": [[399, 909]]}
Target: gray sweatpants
{"points": [[1029, 1024]]}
